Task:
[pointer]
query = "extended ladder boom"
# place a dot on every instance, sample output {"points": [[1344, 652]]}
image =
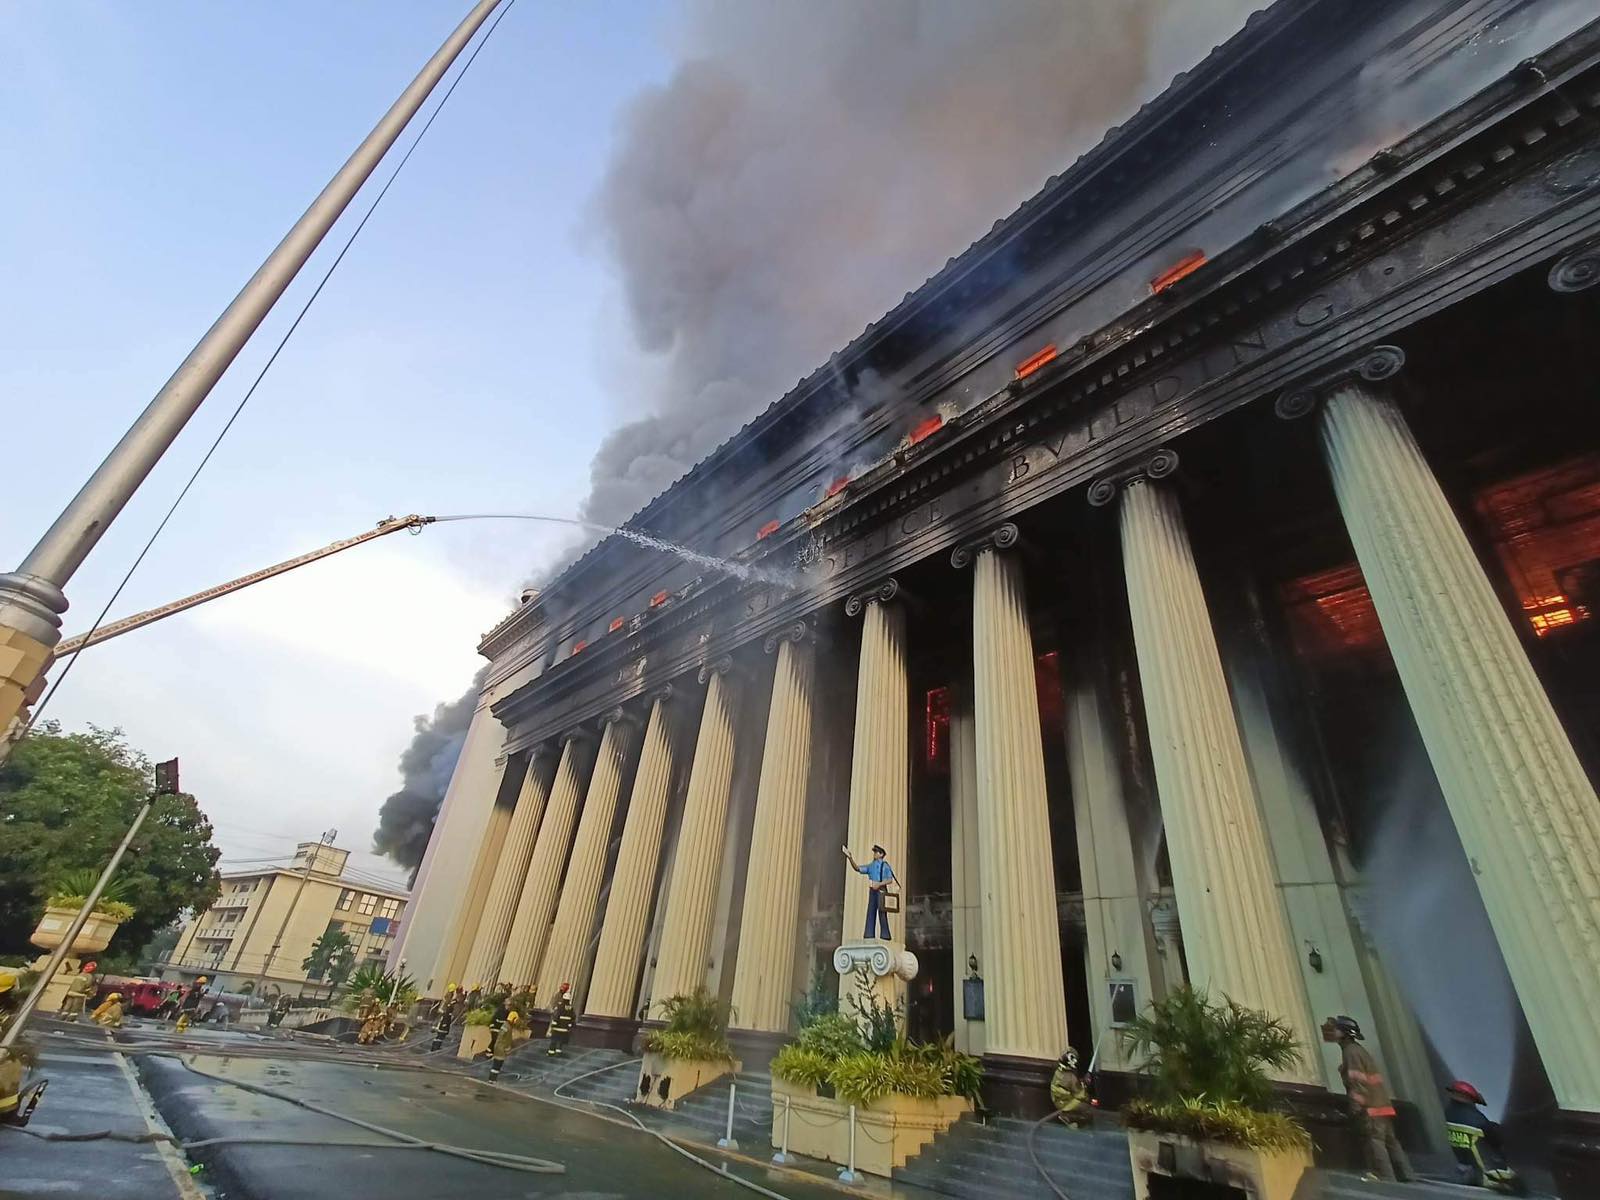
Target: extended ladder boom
{"points": [[106, 632]]}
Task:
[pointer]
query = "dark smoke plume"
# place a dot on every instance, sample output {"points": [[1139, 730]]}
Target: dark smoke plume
{"points": [[405, 822], [807, 164], [804, 166]]}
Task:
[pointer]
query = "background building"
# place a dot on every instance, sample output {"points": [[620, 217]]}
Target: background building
{"points": [[265, 922], [1194, 581]]}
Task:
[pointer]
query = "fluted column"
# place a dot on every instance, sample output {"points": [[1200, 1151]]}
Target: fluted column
{"points": [[685, 952], [966, 880], [531, 926], [494, 927], [1024, 996], [1525, 811], [580, 891], [1235, 932], [762, 981], [633, 881], [880, 761]]}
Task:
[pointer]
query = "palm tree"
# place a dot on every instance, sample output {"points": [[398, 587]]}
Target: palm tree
{"points": [[332, 956]]}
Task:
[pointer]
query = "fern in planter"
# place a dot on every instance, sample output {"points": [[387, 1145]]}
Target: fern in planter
{"points": [[834, 1056], [1208, 1065], [72, 888], [480, 1016], [696, 1029]]}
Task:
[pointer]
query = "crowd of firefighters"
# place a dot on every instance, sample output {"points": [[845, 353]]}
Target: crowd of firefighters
{"points": [[506, 1017]]}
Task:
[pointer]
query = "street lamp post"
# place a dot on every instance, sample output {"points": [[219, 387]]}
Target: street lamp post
{"points": [[31, 597]]}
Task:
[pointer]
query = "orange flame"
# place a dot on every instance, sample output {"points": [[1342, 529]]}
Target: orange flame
{"points": [[1184, 267], [926, 429], [767, 530], [1034, 361]]}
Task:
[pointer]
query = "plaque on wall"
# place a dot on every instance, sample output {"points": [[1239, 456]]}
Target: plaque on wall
{"points": [[972, 999]]}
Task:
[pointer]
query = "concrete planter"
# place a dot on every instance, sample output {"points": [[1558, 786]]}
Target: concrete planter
{"points": [[888, 1131], [94, 937], [1260, 1175], [664, 1081], [475, 1040]]}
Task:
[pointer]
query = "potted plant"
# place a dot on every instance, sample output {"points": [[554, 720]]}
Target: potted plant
{"points": [[63, 903], [1210, 1113], [904, 1093], [689, 1052], [475, 1033]]}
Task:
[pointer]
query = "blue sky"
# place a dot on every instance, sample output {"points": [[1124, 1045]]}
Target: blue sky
{"points": [[457, 363]]}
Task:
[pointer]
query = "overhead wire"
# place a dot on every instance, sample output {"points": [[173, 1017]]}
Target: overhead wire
{"points": [[267, 366]]}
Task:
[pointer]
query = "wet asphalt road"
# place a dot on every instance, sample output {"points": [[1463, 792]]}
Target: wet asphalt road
{"points": [[603, 1160]]}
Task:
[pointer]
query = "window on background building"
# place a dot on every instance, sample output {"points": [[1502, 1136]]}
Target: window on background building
{"points": [[389, 909], [368, 903], [1545, 529], [346, 899]]}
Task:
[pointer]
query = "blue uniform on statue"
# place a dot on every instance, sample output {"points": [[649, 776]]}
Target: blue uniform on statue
{"points": [[879, 875]]}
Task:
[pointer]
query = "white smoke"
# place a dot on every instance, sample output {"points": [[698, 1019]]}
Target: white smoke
{"points": [[807, 165]]}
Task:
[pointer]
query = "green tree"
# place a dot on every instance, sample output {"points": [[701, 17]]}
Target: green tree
{"points": [[66, 800], [332, 957]]}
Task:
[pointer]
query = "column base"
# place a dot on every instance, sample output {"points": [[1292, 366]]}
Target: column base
{"points": [[756, 1048], [1575, 1154], [1335, 1140], [1017, 1087], [605, 1033]]}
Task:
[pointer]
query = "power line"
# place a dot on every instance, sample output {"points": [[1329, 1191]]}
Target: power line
{"points": [[271, 359]]}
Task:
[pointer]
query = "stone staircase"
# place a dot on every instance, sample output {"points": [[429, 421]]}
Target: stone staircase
{"points": [[977, 1161], [706, 1111], [1339, 1185]]}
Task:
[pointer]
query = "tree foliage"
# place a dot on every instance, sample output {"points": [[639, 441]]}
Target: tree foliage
{"points": [[332, 957], [66, 800]]}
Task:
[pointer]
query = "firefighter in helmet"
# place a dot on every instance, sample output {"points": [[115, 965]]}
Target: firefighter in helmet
{"points": [[109, 1014], [1068, 1093], [79, 992], [560, 1021], [503, 1042]]}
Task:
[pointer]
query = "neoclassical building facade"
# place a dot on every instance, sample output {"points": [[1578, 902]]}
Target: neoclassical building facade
{"points": [[1194, 578]]}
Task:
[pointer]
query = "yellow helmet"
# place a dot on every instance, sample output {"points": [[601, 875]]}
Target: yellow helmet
{"points": [[201, 979], [7, 982], [114, 996], [454, 986], [512, 1018]]}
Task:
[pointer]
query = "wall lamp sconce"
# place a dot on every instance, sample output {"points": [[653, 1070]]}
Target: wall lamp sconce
{"points": [[972, 966], [1116, 961], [1314, 959]]}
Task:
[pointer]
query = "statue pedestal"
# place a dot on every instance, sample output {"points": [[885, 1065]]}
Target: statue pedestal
{"points": [[889, 966]]}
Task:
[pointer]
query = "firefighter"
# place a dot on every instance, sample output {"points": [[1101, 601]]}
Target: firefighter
{"points": [[502, 1044], [79, 992], [446, 1017], [560, 1021], [1370, 1102], [1068, 1092], [109, 1014], [189, 1006], [1476, 1143], [183, 1023]]}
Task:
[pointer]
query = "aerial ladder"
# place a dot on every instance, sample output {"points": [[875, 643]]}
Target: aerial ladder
{"points": [[105, 633]]}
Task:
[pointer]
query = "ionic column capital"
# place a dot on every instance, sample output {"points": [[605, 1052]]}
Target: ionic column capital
{"points": [[801, 633], [1158, 465], [578, 733], [1001, 537], [717, 666], [543, 752], [1372, 365], [664, 694], [879, 593], [619, 716], [1577, 270]]}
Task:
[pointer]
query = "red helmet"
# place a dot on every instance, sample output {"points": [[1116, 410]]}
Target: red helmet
{"points": [[1466, 1091]]}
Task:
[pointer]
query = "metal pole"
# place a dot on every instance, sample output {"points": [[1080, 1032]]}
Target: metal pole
{"points": [[782, 1156], [395, 991], [848, 1175], [311, 860], [31, 598], [14, 1030], [726, 1141]]}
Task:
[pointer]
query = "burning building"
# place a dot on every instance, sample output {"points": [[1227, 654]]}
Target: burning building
{"points": [[1166, 584]]}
